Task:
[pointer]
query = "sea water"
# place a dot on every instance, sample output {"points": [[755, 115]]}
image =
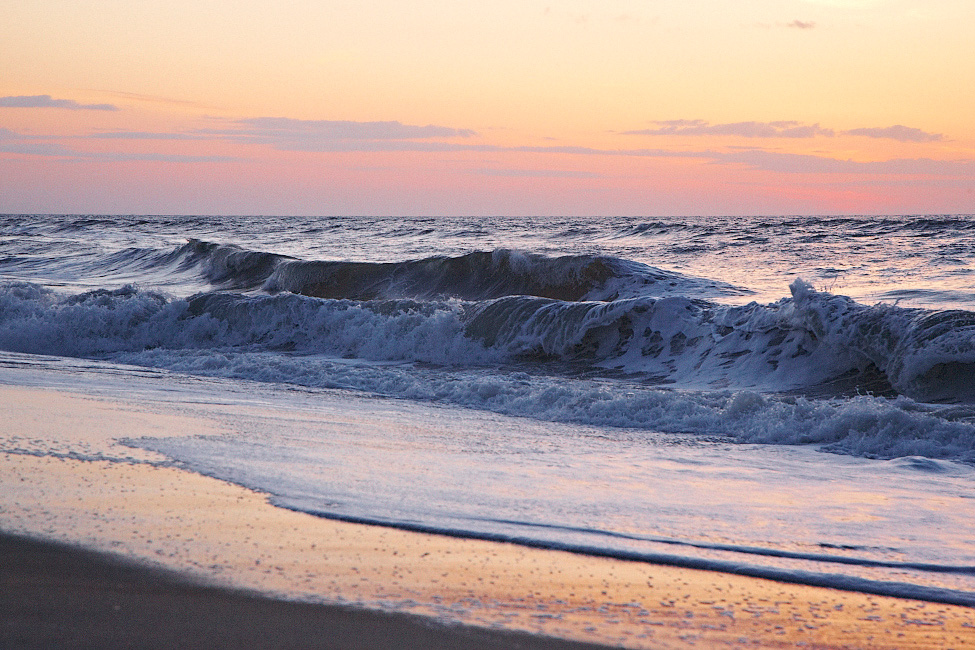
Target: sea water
{"points": [[786, 397]]}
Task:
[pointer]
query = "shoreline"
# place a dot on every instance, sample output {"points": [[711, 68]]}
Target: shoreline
{"points": [[78, 487]]}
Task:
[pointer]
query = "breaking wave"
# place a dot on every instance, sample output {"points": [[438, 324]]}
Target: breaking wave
{"points": [[526, 355], [807, 340]]}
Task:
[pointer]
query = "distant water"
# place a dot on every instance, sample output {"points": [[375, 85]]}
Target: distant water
{"points": [[656, 389]]}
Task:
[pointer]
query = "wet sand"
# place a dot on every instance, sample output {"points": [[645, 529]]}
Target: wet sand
{"points": [[68, 481], [54, 595]]}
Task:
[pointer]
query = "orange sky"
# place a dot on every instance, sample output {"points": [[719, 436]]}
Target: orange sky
{"points": [[510, 107]]}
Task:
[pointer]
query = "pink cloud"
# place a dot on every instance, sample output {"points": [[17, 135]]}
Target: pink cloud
{"points": [[898, 132], [46, 101], [780, 129]]}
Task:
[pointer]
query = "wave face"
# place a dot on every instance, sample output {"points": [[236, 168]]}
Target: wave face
{"points": [[474, 276]]}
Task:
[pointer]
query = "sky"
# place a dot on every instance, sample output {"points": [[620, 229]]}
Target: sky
{"points": [[508, 107]]}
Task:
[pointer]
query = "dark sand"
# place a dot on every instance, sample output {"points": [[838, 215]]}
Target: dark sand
{"points": [[58, 596]]}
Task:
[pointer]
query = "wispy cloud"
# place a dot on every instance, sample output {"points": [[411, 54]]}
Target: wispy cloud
{"points": [[285, 131], [808, 164], [781, 129], [759, 159], [28, 148], [899, 133], [46, 101], [803, 25], [53, 149], [36, 145], [146, 135], [16, 143], [535, 173], [159, 157]]}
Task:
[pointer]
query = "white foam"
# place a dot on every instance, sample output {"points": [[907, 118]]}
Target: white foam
{"points": [[747, 351], [863, 426]]}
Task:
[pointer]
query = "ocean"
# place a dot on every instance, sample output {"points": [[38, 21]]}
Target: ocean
{"points": [[785, 397]]}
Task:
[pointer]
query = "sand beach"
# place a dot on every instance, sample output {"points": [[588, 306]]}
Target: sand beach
{"points": [[212, 548]]}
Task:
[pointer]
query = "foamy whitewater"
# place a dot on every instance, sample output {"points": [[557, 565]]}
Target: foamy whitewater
{"points": [[787, 397]]}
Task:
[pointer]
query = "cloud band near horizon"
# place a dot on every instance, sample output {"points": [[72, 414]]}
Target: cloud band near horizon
{"points": [[328, 136]]}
